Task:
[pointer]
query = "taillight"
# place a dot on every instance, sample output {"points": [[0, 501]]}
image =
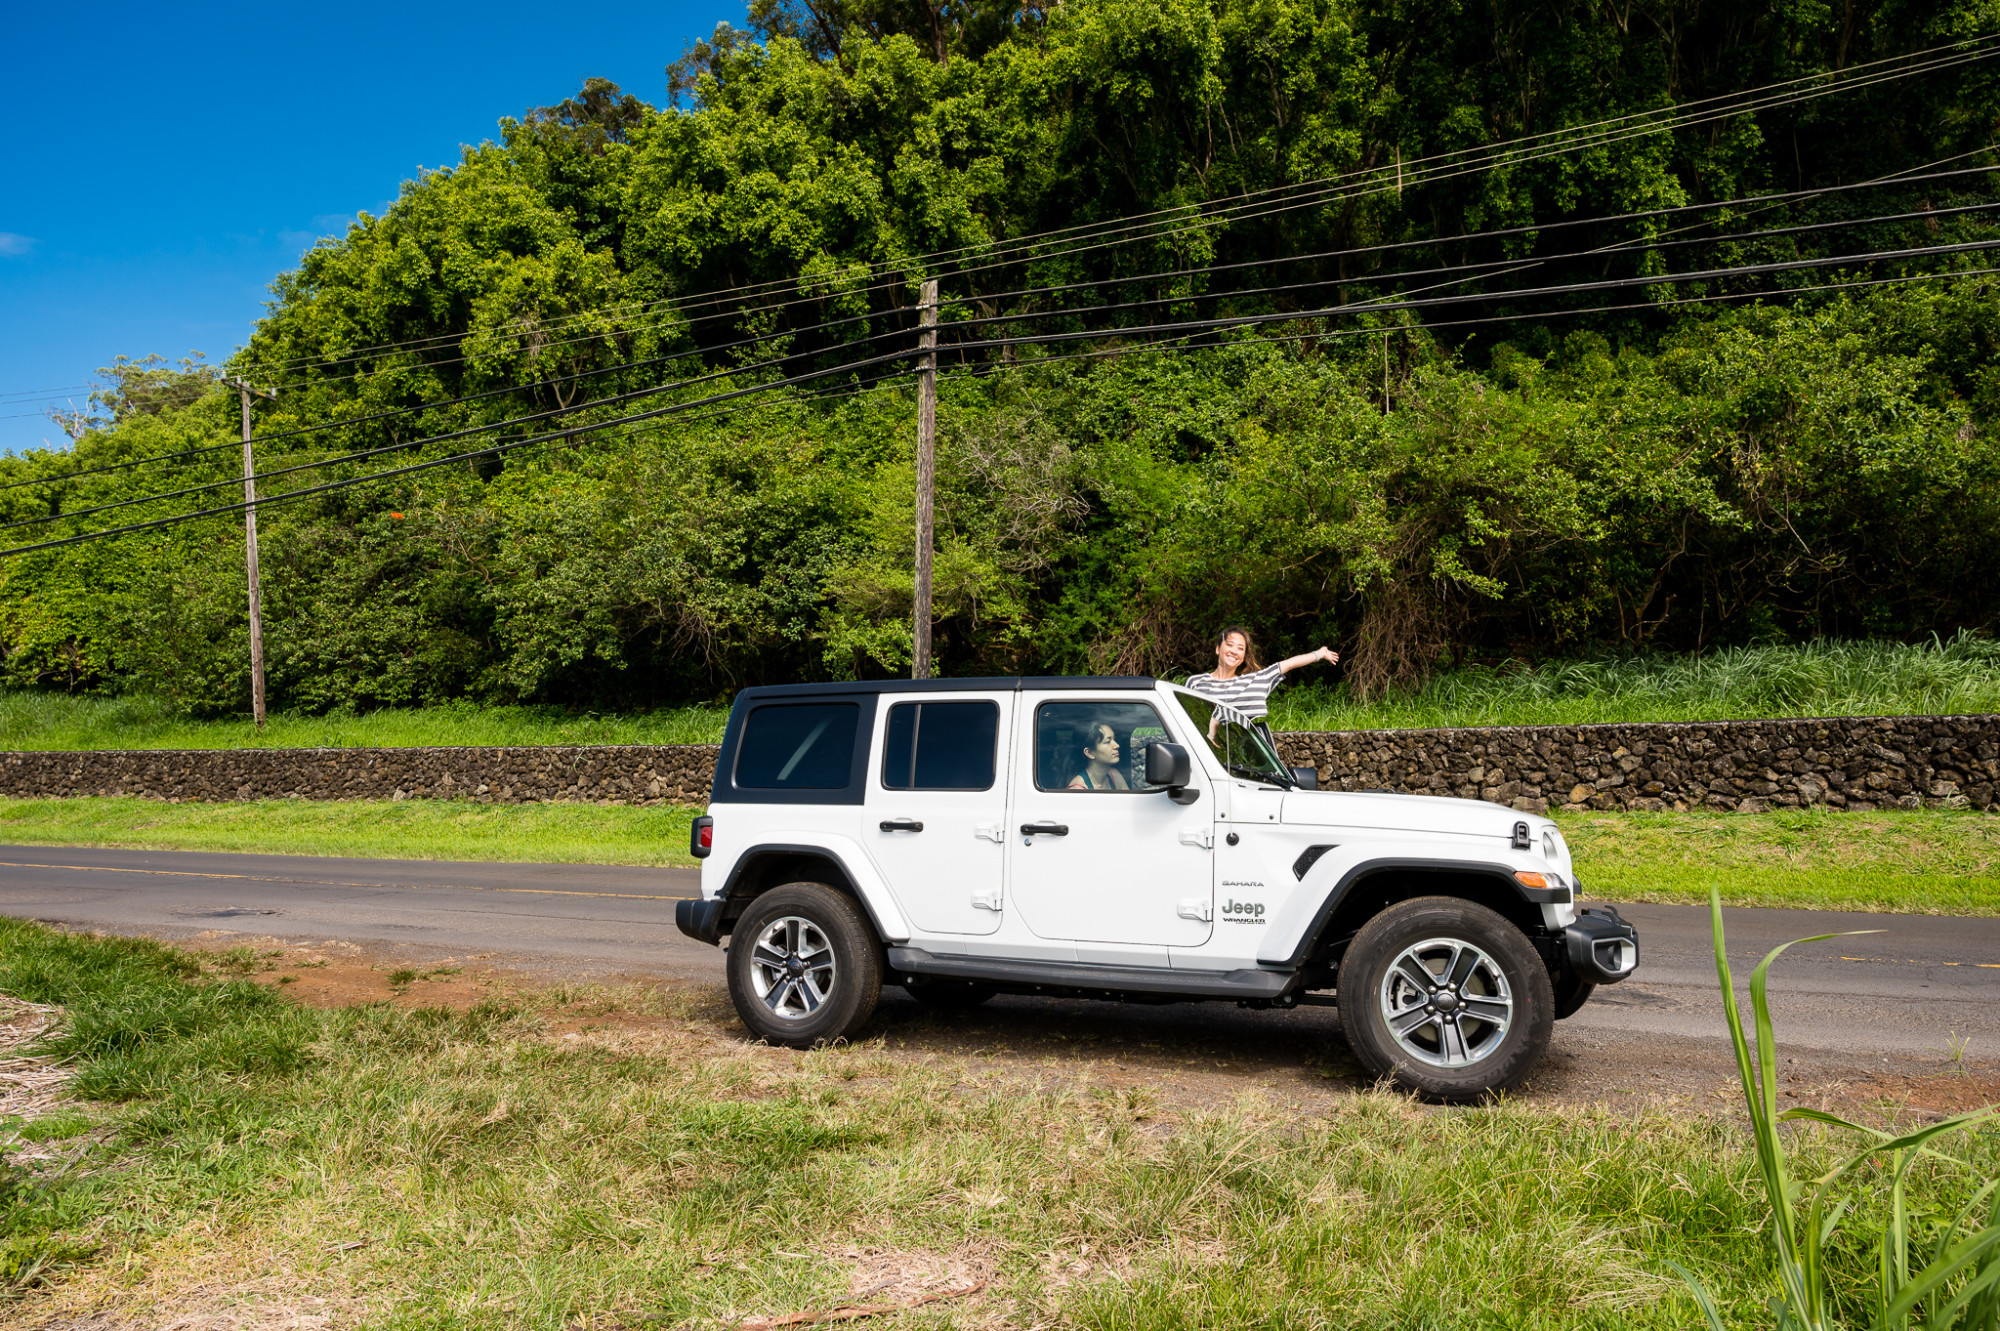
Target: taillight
{"points": [[701, 839]]}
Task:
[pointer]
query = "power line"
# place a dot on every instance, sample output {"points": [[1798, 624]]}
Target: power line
{"points": [[264, 501], [1444, 175], [1429, 302], [1274, 261], [483, 396], [622, 426], [1440, 242], [1474, 270], [1183, 326]]}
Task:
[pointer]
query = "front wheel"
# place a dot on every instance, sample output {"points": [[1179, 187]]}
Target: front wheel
{"points": [[805, 967], [1447, 998]]}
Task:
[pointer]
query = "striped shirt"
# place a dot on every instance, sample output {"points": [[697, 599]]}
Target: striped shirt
{"points": [[1245, 693]]}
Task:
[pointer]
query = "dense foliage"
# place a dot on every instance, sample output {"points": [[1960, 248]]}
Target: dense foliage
{"points": [[1654, 477]]}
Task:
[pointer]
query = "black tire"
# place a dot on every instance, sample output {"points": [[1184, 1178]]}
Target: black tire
{"points": [[823, 984], [1572, 994], [947, 995], [1488, 1035]]}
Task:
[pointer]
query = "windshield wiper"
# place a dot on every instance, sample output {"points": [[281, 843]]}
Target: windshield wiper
{"points": [[1257, 774]]}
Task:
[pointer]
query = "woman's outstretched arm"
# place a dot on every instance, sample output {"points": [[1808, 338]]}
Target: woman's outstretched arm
{"points": [[1291, 663]]}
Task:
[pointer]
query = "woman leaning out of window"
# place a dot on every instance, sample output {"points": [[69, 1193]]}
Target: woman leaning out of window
{"points": [[1238, 683]]}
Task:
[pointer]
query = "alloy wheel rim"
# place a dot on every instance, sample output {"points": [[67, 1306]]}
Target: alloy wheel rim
{"points": [[792, 967], [1446, 1003]]}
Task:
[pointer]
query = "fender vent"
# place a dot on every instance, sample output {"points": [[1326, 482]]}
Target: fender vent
{"points": [[1307, 859]]}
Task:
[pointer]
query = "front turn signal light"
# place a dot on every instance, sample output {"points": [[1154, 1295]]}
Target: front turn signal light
{"points": [[1528, 878]]}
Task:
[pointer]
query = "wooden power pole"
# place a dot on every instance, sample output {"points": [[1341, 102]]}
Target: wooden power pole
{"points": [[250, 549], [927, 312]]}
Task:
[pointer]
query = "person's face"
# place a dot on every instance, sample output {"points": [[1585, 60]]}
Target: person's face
{"points": [[1230, 654], [1106, 749]]}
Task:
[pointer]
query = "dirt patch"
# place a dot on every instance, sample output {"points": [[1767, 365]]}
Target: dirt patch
{"points": [[898, 1275], [337, 974], [1939, 1094]]}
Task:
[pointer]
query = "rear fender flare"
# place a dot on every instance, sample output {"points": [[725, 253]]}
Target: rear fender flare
{"points": [[1292, 949], [848, 870]]}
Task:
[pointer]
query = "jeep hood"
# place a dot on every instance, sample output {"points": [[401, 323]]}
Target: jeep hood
{"points": [[1404, 813]]}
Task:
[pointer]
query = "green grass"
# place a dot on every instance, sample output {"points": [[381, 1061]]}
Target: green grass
{"points": [[1961, 675], [419, 1169], [1943, 677], [37, 721], [1930, 863], [368, 829]]}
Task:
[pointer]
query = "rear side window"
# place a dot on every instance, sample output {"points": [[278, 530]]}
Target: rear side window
{"points": [[940, 746], [799, 746]]}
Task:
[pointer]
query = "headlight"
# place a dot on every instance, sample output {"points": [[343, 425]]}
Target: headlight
{"points": [[1552, 846]]}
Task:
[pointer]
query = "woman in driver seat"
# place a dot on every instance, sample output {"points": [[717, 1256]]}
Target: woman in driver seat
{"points": [[1100, 760]]}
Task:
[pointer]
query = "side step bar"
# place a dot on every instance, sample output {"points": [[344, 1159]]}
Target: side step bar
{"points": [[1032, 975]]}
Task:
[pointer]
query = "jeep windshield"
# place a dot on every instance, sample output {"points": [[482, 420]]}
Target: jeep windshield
{"points": [[1238, 745]]}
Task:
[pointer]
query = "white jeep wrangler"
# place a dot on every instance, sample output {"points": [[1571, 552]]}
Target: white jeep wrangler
{"points": [[953, 837]]}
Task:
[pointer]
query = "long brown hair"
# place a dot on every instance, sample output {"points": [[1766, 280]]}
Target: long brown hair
{"points": [[1250, 661]]}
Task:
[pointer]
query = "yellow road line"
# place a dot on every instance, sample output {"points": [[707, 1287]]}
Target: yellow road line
{"points": [[326, 882]]}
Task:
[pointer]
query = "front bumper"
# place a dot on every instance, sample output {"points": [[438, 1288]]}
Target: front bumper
{"points": [[1601, 947], [699, 919]]}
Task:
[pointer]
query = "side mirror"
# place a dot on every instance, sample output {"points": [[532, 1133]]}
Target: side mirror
{"points": [[1306, 778], [1169, 765]]}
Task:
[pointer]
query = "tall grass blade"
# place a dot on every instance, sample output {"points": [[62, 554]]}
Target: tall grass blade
{"points": [[1702, 1298]]}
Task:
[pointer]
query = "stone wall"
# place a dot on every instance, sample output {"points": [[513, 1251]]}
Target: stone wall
{"points": [[1860, 763], [1841, 762]]}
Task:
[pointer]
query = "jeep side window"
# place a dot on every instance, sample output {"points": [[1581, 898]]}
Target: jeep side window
{"points": [[940, 746], [1098, 746], [799, 746]]}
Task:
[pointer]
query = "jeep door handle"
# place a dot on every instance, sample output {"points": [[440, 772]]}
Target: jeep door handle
{"points": [[901, 825], [1047, 829]]}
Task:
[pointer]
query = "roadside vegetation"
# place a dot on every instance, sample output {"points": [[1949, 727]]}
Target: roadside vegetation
{"points": [[1957, 675], [1933, 862], [369, 829], [517, 1164], [34, 720], [1944, 676]]}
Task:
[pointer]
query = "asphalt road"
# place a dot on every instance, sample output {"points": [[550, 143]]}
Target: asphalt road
{"points": [[1919, 988]]}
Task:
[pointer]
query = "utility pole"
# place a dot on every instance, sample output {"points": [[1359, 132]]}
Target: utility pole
{"points": [[927, 312], [250, 548]]}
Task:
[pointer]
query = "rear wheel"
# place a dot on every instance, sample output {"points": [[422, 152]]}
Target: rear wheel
{"points": [[805, 967], [1447, 998]]}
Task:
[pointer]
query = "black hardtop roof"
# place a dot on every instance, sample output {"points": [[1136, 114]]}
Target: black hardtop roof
{"points": [[984, 684]]}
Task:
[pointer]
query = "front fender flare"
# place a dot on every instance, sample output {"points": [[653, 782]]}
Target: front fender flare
{"points": [[1309, 937]]}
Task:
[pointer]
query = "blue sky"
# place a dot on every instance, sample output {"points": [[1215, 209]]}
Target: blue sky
{"points": [[166, 162]]}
